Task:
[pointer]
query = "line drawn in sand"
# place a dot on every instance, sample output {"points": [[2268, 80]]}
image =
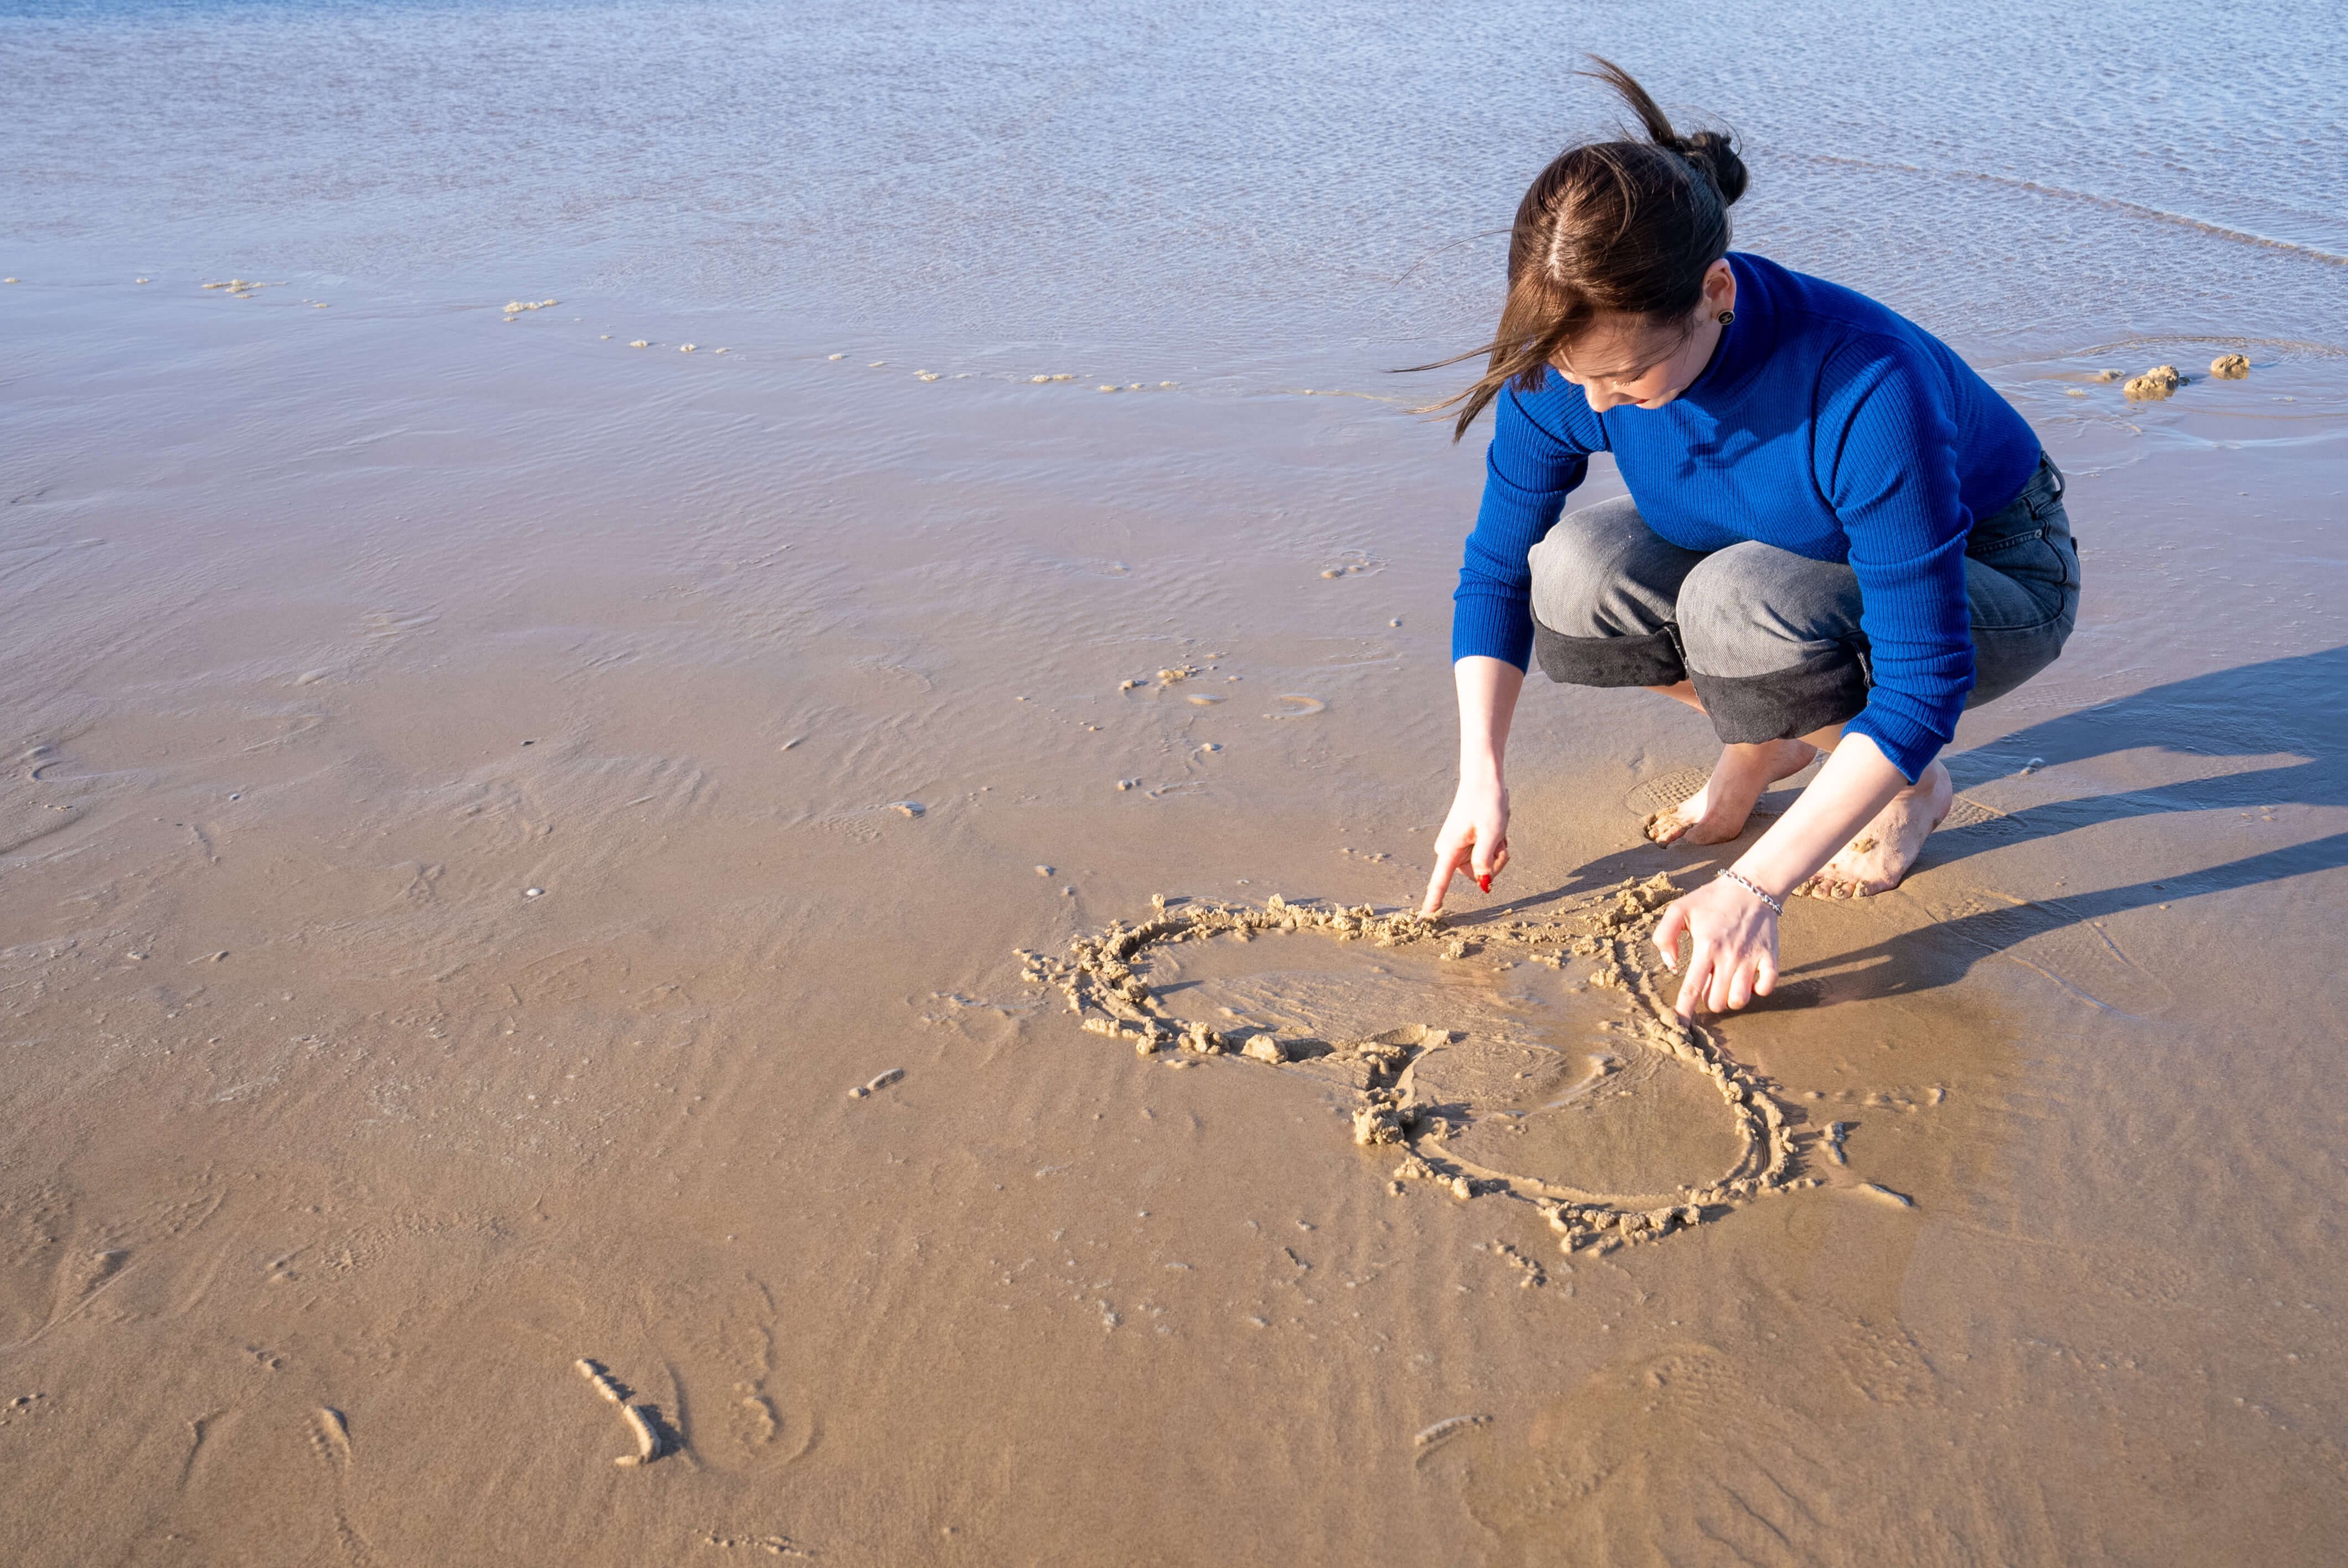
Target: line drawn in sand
{"points": [[653, 1436], [1419, 1088]]}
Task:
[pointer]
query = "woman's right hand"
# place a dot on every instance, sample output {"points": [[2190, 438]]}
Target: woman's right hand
{"points": [[1475, 837]]}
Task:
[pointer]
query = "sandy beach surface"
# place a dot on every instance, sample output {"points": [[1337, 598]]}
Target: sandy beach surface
{"points": [[538, 875]]}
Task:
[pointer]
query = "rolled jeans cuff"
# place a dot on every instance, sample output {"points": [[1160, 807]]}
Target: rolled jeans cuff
{"points": [[1828, 687], [1652, 659]]}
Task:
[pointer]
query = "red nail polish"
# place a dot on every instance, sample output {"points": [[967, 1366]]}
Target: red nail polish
{"points": [[1485, 883]]}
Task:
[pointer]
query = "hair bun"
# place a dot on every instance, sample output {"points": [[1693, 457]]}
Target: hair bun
{"points": [[1715, 154]]}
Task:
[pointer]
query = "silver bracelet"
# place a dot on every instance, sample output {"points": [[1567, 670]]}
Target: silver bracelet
{"points": [[1775, 906]]}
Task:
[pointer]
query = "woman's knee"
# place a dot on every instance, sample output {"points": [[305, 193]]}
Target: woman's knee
{"points": [[1603, 572], [1773, 643], [1753, 610]]}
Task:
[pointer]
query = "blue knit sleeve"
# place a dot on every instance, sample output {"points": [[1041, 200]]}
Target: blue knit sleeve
{"points": [[1888, 463], [1527, 473]]}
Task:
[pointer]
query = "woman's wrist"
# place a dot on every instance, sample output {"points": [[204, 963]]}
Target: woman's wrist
{"points": [[1479, 767], [1775, 902], [1762, 875]]}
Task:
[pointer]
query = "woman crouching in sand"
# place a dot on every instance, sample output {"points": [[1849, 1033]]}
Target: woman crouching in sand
{"points": [[1837, 537]]}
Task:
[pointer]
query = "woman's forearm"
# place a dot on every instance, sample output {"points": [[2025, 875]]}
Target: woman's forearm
{"points": [[1856, 783], [1489, 689]]}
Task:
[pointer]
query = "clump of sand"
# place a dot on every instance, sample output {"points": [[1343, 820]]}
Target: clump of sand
{"points": [[2229, 367], [2154, 385]]}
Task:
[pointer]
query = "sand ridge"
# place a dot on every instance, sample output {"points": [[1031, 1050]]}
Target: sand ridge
{"points": [[1389, 1072]]}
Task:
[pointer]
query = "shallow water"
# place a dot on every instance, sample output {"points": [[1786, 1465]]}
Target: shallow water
{"points": [[454, 867], [1213, 182]]}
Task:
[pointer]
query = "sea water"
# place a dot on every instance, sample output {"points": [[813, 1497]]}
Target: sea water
{"points": [[1222, 184]]}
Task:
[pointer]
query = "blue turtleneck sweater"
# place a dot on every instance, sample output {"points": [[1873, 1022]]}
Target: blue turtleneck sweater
{"points": [[1826, 425]]}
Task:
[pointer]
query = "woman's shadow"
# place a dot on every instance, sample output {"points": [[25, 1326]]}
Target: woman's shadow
{"points": [[2296, 707]]}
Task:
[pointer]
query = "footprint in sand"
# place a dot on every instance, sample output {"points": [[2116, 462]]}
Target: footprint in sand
{"points": [[750, 1415], [1588, 1100], [330, 1437], [1305, 706]]}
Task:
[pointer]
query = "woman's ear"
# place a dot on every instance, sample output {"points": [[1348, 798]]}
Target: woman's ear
{"points": [[1719, 288]]}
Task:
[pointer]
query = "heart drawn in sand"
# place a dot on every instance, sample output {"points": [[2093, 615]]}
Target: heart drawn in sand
{"points": [[1604, 1150]]}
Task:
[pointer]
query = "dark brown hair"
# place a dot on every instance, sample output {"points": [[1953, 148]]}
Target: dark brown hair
{"points": [[1623, 227]]}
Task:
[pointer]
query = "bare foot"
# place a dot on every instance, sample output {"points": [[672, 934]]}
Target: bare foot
{"points": [[1716, 812], [1885, 848]]}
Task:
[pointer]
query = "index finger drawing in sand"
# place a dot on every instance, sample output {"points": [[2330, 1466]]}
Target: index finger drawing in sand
{"points": [[1837, 537]]}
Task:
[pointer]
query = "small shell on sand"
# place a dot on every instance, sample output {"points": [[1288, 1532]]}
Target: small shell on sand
{"points": [[137, 279], [907, 807], [1039, 380], [878, 1081], [1447, 1428], [533, 892], [685, 348], [2229, 367], [1102, 388], [835, 356], [641, 343]]}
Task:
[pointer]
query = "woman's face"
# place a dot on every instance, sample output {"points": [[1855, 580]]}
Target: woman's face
{"points": [[1630, 360], [1627, 360]]}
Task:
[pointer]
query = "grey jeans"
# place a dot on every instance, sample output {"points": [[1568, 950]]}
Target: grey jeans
{"points": [[1770, 639]]}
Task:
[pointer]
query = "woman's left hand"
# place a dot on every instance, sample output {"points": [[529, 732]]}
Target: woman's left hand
{"points": [[1733, 941]]}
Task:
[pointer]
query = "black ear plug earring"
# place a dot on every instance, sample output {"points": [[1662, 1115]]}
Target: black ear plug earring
{"points": [[1726, 317]]}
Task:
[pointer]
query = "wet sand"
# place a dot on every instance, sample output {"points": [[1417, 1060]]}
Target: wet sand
{"points": [[481, 801]]}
